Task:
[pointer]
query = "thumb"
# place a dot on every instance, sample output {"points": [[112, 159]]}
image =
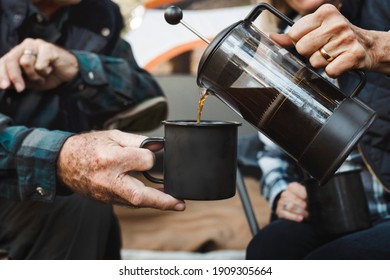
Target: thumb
{"points": [[139, 195]]}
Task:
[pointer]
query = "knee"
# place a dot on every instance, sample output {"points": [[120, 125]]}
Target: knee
{"points": [[262, 245], [280, 239]]}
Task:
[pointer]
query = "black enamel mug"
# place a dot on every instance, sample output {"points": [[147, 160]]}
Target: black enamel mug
{"points": [[339, 206], [199, 160]]}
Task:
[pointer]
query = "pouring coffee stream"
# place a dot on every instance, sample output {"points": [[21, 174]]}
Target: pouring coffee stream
{"points": [[280, 95], [174, 15]]}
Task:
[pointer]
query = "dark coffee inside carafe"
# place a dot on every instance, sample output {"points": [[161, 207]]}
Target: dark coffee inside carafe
{"points": [[280, 118]]}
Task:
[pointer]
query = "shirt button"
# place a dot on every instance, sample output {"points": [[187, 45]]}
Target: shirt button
{"points": [[40, 191], [39, 18], [106, 32], [17, 18], [91, 75], [81, 87]]}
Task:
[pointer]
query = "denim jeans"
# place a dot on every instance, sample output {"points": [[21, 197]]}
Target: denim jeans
{"points": [[287, 240], [72, 227]]}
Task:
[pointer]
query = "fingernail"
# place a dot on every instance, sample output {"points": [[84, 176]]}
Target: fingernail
{"points": [[19, 87], [180, 207], [4, 84]]}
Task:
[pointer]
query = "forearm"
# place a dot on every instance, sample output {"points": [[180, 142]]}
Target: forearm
{"points": [[28, 161], [110, 84]]}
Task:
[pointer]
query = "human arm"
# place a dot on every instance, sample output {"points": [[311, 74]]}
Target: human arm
{"points": [[37, 164], [352, 47], [102, 85], [27, 161], [279, 183], [118, 84]]}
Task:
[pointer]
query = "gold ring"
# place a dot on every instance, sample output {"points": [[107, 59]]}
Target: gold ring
{"points": [[326, 55], [30, 52]]}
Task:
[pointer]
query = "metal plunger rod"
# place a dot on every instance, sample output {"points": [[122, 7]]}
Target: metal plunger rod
{"points": [[195, 32], [174, 15]]}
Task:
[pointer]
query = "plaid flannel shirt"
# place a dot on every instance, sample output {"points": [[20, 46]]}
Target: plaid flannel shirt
{"points": [[278, 170], [33, 124], [28, 161]]}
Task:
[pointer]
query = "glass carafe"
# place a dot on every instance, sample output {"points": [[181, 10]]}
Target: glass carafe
{"points": [[280, 95]]}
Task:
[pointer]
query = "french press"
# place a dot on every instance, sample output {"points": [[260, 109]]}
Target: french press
{"points": [[280, 95]]}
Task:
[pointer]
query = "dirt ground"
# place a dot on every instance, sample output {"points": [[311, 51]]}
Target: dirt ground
{"points": [[203, 227]]}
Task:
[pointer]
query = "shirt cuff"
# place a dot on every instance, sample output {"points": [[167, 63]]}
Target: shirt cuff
{"points": [[91, 68], [37, 164], [276, 189]]}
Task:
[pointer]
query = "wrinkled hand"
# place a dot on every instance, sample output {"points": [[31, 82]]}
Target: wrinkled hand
{"points": [[292, 204], [349, 46], [97, 165], [38, 65]]}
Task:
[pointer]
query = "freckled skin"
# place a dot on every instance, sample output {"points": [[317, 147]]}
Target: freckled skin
{"points": [[97, 165]]}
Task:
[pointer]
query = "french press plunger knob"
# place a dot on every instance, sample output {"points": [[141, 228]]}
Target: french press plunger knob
{"points": [[174, 15]]}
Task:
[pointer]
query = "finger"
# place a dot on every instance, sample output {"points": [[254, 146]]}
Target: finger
{"points": [[143, 196], [282, 211], [127, 139], [325, 26], [317, 60], [14, 74], [312, 42], [282, 39], [298, 207], [27, 63], [134, 159], [46, 71], [298, 190], [134, 140], [303, 26], [341, 64], [292, 217], [4, 81], [45, 59]]}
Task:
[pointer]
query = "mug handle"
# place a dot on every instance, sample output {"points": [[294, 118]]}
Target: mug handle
{"points": [[265, 6], [145, 143]]}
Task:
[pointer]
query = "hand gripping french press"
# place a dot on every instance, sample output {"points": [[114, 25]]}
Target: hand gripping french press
{"points": [[275, 91]]}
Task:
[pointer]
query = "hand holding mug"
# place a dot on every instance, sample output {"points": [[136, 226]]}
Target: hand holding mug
{"points": [[97, 165], [292, 204]]}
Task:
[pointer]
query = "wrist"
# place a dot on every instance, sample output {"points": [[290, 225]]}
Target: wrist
{"points": [[380, 52]]}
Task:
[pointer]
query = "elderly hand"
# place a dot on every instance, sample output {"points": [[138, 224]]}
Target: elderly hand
{"points": [[329, 40], [292, 204], [38, 65], [97, 165]]}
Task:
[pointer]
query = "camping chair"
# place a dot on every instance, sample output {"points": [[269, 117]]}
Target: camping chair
{"points": [[247, 165]]}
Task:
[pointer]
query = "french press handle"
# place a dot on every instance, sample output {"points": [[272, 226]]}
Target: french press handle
{"points": [[264, 6]]}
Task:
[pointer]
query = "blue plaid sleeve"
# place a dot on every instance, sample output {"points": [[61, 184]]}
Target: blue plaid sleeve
{"points": [[28, 161], [110, 84], [278, 170]]}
